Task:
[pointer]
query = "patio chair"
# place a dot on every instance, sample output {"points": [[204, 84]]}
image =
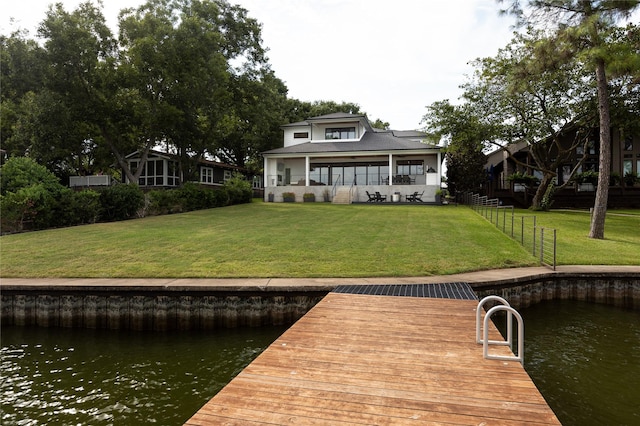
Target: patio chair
{"points": [[411, 197], [380, 198], [372, 198], [418, 197]]}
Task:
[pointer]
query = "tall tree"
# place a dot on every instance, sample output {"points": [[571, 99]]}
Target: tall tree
{"points": [[533, 102], [252, 122], [191, 60], [582, 27], [21, 73], [83, 83], [466, 137]]}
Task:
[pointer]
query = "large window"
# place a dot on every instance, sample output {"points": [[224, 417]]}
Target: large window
{"points": [[410, 167], [320, 174], [173, 176], [153, 173], [350, 173], [340, 133]]}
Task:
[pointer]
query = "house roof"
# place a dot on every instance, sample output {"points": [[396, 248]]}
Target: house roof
{"points": [[409, 133], [334, 117], [371, 141], [202, 161], [337, 116]]}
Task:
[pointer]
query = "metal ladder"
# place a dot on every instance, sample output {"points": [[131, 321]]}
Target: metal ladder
{"points": [[484, 329]]}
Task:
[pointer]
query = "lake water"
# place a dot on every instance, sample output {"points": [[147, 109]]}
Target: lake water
{"points": [[584, 358], [103, 377]]}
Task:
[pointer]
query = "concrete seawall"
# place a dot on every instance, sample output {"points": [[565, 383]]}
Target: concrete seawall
{"points": [[184, 304], [618, 291]]}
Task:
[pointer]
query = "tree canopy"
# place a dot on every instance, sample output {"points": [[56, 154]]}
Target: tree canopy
{"points": [[582, 29], [544, 85], [188, 77]]}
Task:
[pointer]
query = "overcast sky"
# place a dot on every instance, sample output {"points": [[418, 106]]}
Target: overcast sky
{"points": [[393, 58]]}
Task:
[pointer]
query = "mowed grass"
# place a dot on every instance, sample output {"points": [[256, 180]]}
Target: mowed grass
{"points": [[269, 240], [305, 240], [621, 245]]}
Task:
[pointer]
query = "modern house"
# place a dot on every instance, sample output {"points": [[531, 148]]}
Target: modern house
{"points": [[341, 157], [625, 162]]}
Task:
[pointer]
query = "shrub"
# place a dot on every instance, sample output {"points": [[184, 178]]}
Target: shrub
{"points": [[630, 179], [221, 198], [521, 177], [239, 189], [586, 177], [164, 201], [121, 202], [27, 208], [195, 197], [288, 197], [85, 206], [22, 172]]}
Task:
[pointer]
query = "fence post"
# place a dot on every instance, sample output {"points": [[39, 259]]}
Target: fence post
{"points": [[513, 212], [542, 246], [535, 233]]}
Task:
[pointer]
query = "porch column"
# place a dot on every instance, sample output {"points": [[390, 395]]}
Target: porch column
{"points": [[306, 170], [265, 172], [439, 169], [390, 169]]}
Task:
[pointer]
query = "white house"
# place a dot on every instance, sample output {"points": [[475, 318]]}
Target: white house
{"points": [[340, 156]]}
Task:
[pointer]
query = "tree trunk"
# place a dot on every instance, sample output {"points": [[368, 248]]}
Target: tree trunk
{"points": [[604, 167], [536, 203], [133, 178]]}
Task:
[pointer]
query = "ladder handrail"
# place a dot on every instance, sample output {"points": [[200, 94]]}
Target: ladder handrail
{"points": [[509, 321], [335, 184], [485, 344]]}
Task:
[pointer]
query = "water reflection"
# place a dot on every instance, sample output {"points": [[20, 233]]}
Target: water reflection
{"points": [[585, 359], [79, 376]]}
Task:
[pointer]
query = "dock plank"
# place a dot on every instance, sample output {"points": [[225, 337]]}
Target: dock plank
{"points": [[362, 359]]}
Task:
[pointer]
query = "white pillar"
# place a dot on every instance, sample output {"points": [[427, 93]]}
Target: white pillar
{"points": [[390, 169], [439, 169], [306, 170]]}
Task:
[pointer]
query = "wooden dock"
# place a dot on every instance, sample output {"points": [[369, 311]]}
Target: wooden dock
{"points": [[370, 359]]}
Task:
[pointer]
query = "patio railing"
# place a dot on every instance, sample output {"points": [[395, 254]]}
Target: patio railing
{"points": [[542, 242]]}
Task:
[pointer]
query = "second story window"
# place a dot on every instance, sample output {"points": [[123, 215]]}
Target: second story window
{"points": [[340, 133]]}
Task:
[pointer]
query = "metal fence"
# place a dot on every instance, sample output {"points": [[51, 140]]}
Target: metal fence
{"points": [[541, 242]]}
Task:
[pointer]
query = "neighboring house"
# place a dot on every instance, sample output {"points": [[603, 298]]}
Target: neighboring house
{"points": [[162, 170], [625, 161], [340, 156]]}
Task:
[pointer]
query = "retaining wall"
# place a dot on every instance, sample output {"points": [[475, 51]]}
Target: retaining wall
{"points": [[155, 311], [622, 291], [185, 308]]}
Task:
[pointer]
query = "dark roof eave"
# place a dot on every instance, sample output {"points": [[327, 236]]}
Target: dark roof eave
{"points": [[361, 153]]}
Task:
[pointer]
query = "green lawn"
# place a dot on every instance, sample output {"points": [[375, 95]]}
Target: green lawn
{"points": [[305, 240], [621, 245]]}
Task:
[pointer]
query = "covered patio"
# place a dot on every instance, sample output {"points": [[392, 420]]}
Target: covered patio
{"points": [[394, 177]]}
